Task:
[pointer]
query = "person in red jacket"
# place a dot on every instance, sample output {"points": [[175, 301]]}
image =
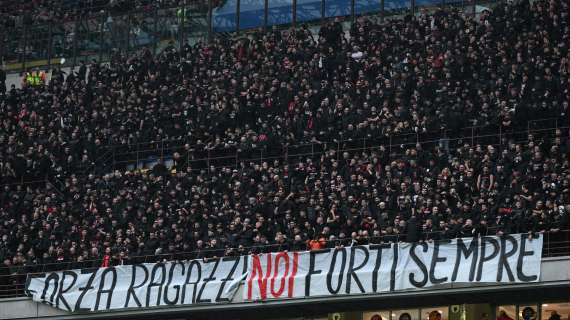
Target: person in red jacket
{"points": [[318, 243], [106, 258]]}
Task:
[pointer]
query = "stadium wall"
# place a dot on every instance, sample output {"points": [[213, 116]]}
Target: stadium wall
{"points": [[280, 12]]}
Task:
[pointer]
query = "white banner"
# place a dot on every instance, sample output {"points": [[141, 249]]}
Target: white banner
{"points": [[370, 269], [143, 285], [391, 267]]}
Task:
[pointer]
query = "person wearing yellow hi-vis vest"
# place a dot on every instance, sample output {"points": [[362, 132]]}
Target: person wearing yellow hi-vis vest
{"points": [[183, 15], [29, 80], [36, 78], [181, 12], [181, 21]]}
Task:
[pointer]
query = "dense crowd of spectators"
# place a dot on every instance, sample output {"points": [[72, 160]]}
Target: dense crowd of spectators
{"points": [[352, 198], [14, 14], [435, 72]]}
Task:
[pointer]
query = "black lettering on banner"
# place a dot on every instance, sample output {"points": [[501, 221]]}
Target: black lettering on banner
{"points": [[154, 283], [109, 291], [331, 270], [62, 290], [236, 261], [463, 251], [29, 291], [434, 260], [205, 282], [420, 264], [378, 248], [245, 259], [352, 270], [193, 263], [84, 290], [484, 257], [169, 282], [394, 266], [55, 278], [312, 270], [523, 253], [504, 257], [132, 287]]}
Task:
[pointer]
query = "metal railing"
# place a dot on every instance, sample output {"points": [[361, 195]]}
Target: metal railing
{"points": [[13, 279], [133, 156], [86, 33]]}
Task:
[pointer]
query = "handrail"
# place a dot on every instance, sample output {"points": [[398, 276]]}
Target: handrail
{"points": [[287, 152], [23, 183], [176, 144], [344, 146], [299, 145]]}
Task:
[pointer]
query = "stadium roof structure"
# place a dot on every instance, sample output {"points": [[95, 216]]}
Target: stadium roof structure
{"points": [[280, 11]]}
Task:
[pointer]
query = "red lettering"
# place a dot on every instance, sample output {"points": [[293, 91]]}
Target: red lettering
{"points": [[292, 277], [287, 279], [285, 257], [257, 271]]}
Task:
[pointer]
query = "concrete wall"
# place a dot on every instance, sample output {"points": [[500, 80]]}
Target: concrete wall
{"points": [[18, 308]]}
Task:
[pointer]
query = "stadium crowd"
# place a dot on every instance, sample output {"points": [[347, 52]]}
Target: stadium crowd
{"points": [[432, 72], [15, 14]]}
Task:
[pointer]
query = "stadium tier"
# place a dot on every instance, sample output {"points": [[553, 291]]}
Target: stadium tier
{"points": [[340, 169]]}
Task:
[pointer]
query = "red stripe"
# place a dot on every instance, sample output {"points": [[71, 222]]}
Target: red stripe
{"points": [[279, 256], [292, 277]]}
